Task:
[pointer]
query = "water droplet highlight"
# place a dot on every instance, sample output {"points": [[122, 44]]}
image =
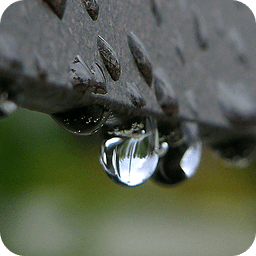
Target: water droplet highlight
{"points": [[130, 158], [181, 160], [58, 6], [6, 107], [92, 8], [109, 58], [141, 57], [135, 95], [82, 121], [164, 92], [84, 79]]}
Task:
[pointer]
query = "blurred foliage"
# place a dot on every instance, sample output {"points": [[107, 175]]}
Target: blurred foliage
{"points": [[55, 199]]}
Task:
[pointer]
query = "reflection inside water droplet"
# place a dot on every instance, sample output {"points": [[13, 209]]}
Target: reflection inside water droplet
{"points": [[131, 158], [82, 121], [191, 159], [182, 159]]}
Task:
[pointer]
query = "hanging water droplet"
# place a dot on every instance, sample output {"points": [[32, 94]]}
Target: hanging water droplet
{"points": [[164, 92], [109, 58], [92, 8], [239, 152], [131, 157], [6, 107], [84, 79], [182, 159], [82, 121], [135, 95], [58, 6], [163, 149], [141, 57]]}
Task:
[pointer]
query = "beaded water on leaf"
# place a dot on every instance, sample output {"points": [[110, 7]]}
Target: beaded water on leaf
{"points": [[82, 121], [130, 158], [182, 160]]}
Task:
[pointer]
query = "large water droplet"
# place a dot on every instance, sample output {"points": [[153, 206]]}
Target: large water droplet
{"points": [[92, 8], [109, 58], [141, 57], [131, 157], [82, 121], [58, 6], [182, 159]]}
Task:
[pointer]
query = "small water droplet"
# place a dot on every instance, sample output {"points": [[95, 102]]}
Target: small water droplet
{"points": [[163, 149], [141, 57], [164, 92], [181, 160], [131, 158], [239, 152], [109, 58], [6, 107], [156, 9], [58, 6], [84, 79], [200, 32], [135, 95], [83, 121], [92, 8]]}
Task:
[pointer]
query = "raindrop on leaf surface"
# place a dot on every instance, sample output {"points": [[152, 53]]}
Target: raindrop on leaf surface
{"points": [[131, 159]]}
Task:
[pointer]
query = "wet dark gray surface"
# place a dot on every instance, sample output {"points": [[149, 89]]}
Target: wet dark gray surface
{"points": [[206, 48]]}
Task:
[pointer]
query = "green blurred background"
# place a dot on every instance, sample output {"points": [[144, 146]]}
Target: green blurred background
{"points": [[55, 199]]}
